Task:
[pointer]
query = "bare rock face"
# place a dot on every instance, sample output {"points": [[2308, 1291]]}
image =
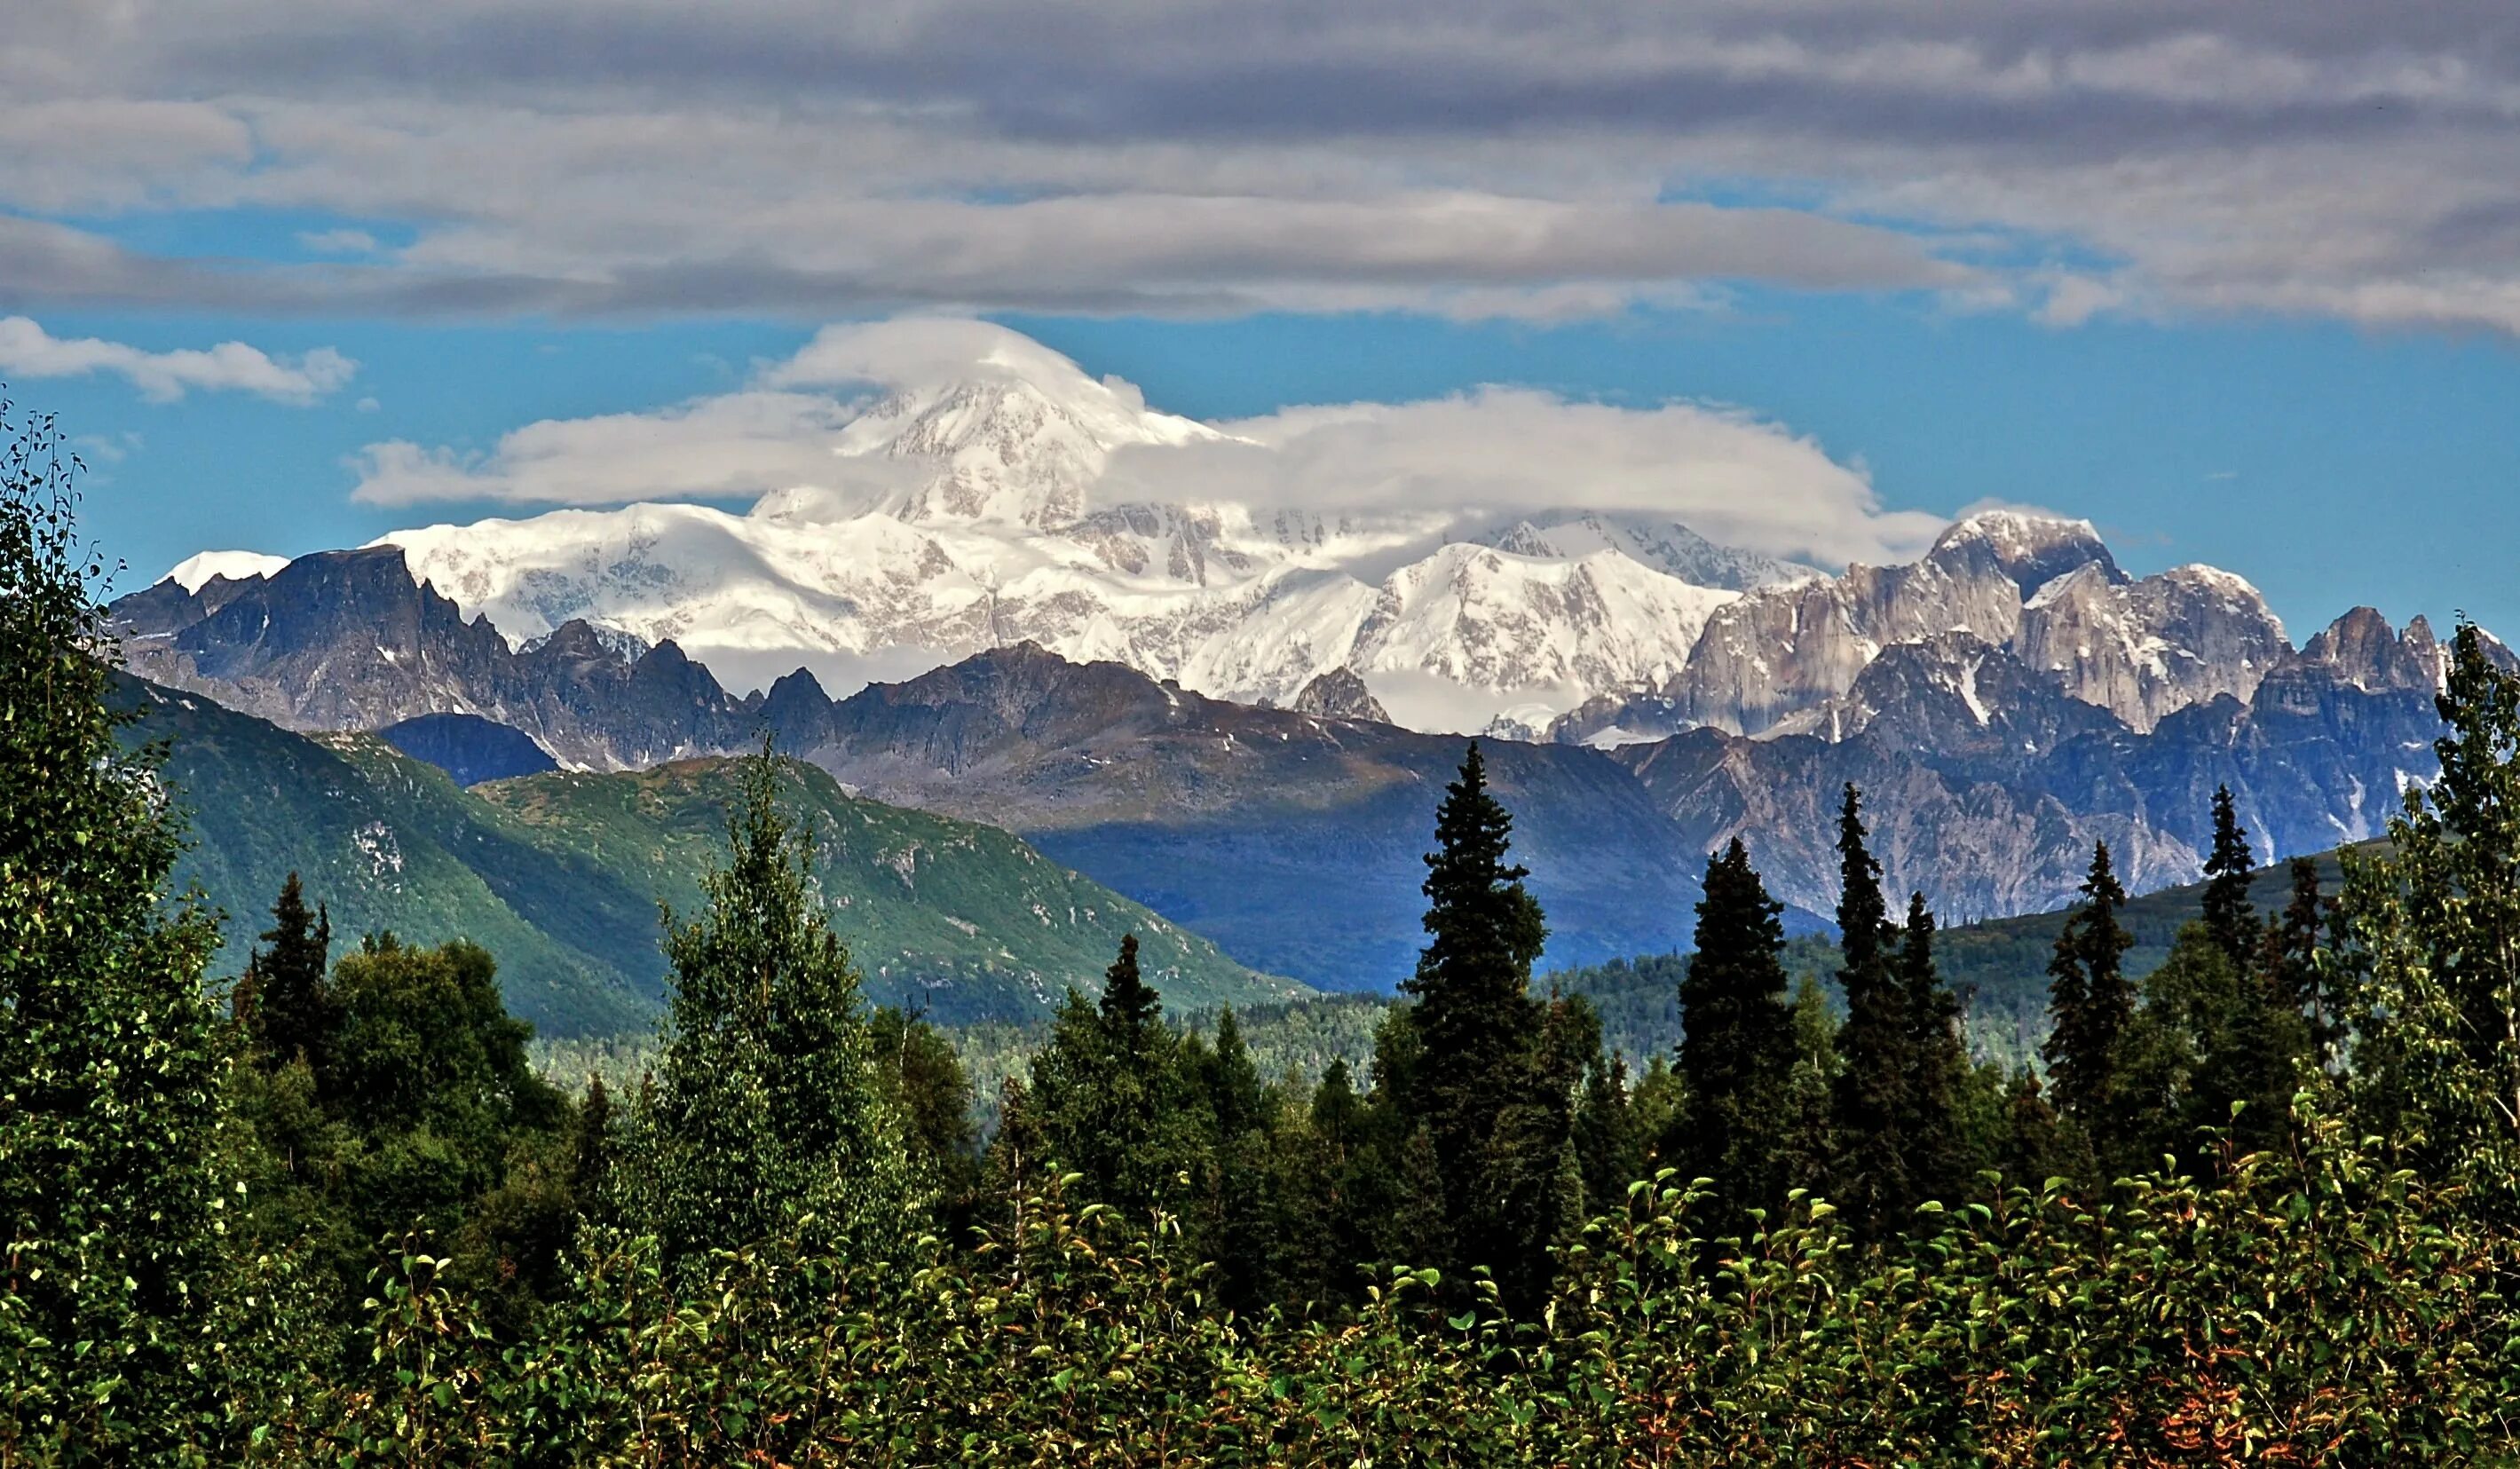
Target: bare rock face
{"points": [[2360, 648], [2141, 649], [1339, 694], [1779, 649], [348, 641]]}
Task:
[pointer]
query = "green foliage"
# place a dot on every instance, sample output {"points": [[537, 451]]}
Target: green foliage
{"points": [[2324, 1310], [110, 1054], [767, 1110], [2089, 1005], [283, 999], [1492, 1082], [2429, 958], [2230, 922], [559, 875], [1738, 1052], [1872, 1105]]}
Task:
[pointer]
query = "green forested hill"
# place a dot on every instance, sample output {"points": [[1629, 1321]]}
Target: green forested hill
{"points": [[559, 875]]}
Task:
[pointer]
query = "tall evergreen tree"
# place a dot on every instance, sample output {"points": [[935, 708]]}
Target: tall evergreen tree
{"points": [[590, 1170], [2230, 921], [1119, 1098], [2289, 959], [1608, 1145], [1806, 1125], [1477, 1026], [1132, 1011], [2088, 1005], [1234, 1091], [111, 1052], [1737, 1049], [281, 998], [767, 1106], [1940, 1163], [1874, 1177]]}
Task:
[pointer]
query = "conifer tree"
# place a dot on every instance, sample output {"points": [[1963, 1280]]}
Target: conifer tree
{"points": [[591, 1173], [1239, 1205], [1939, 1165], [1871, 1104], [281, 998], [1132, 1011], [1607, 1144], [2230, 921], [1477, 1026], [1737, 1049], [111, 1052], [767, 1108], [1234, 1090], [2090, 1004], [1806, 1125], [2430, 938], [2289, 959], [1118, 1097]]}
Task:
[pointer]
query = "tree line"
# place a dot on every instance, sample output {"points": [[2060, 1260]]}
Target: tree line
{"points": [[2258, 1205]]}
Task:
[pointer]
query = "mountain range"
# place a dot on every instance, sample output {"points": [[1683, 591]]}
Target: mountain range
{"points": [[1244, 720]]}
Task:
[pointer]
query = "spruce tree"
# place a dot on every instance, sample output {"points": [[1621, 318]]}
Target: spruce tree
{"points": [[1240, 1203], [111, 1052], [2230, 921], [1132, 1012], [1607, 1144], [2288, 959], [2090, 1004], [1871, 1103], [1477, 1027], [1737, 1049], [1806, 1125], [283, 998], [1118, 1097], [767, 1108], [1234, 1091], [1939, 1164], [590, 1170]]}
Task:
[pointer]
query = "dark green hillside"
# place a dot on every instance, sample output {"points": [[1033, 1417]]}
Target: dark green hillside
{"points": [[958, 918], [384, 842], [559, 875]]}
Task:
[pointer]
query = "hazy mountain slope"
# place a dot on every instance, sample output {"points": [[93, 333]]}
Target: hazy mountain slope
{"points": [[1293, 840], [559, 875]]}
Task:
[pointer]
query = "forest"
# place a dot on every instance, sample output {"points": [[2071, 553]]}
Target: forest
{"points": [[2257, 1206]]}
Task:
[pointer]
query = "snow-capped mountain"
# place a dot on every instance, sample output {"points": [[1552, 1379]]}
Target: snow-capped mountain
{"points": [[965, 513], [2042, 588], [960, 518], [197, 570]]}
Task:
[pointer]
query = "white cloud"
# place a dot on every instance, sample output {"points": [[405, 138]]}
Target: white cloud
{"points": [[1469, 458], [741, 444], [27, 350], [1727, 474], [1486, 159]]}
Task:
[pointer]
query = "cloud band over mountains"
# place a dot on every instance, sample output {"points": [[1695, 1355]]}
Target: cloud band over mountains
{"points": [[560, 157], [1497, 451]]}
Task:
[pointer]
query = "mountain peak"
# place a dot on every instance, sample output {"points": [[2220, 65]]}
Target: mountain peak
{"points": [[197, 570], [2031, 547], [975, 424]]}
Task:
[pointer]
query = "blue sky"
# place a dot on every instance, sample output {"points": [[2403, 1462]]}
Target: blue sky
{"points": [[2241, 288], [2330, 464]]}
